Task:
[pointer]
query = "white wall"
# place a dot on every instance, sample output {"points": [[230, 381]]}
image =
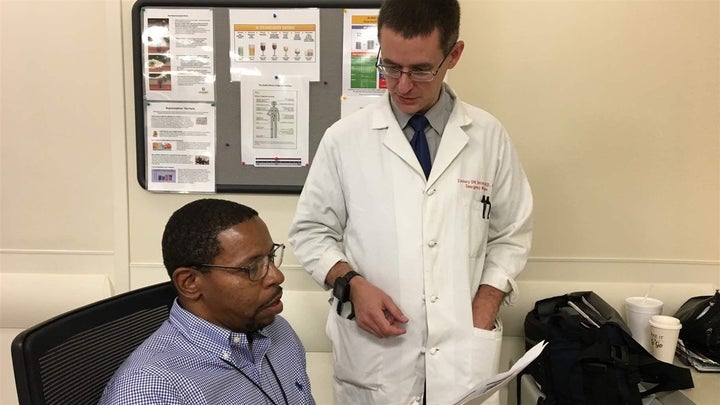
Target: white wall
{"points": [[613, 106], [63, 200]]}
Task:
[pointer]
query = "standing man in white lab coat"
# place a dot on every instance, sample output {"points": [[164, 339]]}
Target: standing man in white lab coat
{"points": [[419, 229]]}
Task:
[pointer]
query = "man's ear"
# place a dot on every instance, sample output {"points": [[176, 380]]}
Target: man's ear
{"points": [[456, 53], [188, 282]]}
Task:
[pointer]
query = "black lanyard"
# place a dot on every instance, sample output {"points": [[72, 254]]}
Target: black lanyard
{"points": [[258, 385]]}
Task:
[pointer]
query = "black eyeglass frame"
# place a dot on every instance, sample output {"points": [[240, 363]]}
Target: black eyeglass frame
{"points": [[255, 267], [410, 73]]}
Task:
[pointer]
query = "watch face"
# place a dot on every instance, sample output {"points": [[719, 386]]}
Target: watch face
{"points": [[337, 290], [341, 290]]}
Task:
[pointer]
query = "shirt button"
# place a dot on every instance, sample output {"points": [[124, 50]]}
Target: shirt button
{"points": [[434, 351], [226, 356], [432, 243], [236, 339]]}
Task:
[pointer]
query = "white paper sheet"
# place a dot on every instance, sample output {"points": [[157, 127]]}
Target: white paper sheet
{"points": [[178, 54], [489, 386], [180, 146], [275, 122]]}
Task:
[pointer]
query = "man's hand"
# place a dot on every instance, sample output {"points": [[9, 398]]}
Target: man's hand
{"points": [[485, 306], [375, 311]]}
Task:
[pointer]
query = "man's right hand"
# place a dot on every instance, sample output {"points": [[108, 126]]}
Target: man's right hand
{"points": [[375, 311]]}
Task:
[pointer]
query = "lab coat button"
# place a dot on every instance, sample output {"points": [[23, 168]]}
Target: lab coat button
{"points": [[434, 351], [422, 350], [431, 191], [432, 243], [434, 298]]}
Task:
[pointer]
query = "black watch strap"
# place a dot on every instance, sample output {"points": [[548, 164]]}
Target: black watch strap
{"points": [[349, 276], [341, 291]]}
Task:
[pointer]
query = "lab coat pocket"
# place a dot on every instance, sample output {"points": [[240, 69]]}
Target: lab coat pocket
{"points": [[357, 356], [478, 222], [486, 351]]}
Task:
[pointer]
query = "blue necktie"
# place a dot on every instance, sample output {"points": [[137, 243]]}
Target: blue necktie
{"points": [[419, 142]]}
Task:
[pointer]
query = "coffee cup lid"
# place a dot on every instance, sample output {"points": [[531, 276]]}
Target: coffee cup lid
{"points": [[664, 321]]}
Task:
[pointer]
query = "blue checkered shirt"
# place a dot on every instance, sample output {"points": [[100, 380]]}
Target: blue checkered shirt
{"points": [[183, 362]]}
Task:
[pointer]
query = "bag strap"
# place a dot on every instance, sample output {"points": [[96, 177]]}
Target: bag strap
{"points": [[668, 377]]}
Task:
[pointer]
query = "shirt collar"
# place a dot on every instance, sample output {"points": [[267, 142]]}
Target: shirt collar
{"points": [[437, 115], [207, 335]]}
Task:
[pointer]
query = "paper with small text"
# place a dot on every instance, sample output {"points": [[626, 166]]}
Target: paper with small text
{"points": [[489, 386]]}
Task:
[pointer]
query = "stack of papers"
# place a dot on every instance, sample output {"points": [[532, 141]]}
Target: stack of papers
{"points": [[696, 360], [488, 386]]}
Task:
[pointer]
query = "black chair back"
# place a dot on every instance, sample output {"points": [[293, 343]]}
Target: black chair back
{"points": [[70, 358]]}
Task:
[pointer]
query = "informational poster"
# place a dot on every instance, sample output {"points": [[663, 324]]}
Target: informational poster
{"points": [[270, 42], [275, 121], [362, 83], [181, 146], [178, 54]]}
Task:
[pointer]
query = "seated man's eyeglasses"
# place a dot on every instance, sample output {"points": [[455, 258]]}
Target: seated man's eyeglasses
{"points": [[415, 75], [258, 268]]}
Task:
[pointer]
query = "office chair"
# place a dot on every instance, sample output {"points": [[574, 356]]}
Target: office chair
{"points": [[70, 358]]}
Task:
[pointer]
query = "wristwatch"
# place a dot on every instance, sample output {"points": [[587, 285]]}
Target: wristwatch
{"points": [[341, 289]]}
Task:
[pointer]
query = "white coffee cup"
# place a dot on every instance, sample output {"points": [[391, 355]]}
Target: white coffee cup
{"points": [[664, 332], [638, 311]]}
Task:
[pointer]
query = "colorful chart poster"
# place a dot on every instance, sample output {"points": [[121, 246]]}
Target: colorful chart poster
{"points": [[267, 42], [362, 83]]}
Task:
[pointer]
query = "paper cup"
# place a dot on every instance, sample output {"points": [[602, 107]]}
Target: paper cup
{"points": [[638, 311], [664, 331]]}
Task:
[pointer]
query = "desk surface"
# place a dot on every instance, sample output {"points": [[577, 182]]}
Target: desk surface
{"points": [[706, 391]]}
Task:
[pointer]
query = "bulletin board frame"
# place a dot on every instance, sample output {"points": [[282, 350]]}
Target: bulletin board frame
{"points": [[231, 175]]}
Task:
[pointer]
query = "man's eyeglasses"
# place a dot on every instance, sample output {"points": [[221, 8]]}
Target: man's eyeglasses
{"points": [[414, 75], [259, 268]]}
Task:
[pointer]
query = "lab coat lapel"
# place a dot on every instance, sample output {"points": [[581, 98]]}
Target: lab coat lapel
{"points": [[453, 141], [395, 139]]}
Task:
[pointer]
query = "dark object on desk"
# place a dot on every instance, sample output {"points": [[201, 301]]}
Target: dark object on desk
{"points": [[69, 358], [591, 358], [696, 360], [700, 318]]}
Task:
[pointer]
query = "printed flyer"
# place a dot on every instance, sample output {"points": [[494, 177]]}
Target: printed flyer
{"points": [[178, 54], [181, 146]]}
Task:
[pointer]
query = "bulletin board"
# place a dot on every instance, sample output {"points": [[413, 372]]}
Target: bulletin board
{"points": [[225, 96]]}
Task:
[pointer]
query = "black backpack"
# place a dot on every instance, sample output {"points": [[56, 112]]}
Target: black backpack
{"points": [[700, 317], [591, 358]]}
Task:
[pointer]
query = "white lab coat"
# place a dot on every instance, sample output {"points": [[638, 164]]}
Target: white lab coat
{"points": [[428, 244]]}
